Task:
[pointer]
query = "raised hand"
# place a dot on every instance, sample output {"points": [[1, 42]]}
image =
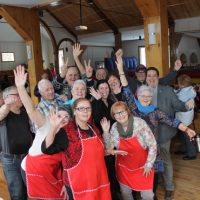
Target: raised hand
{"points": [[119, 52], [77, 50], [177, 64], [55, 119], [119, 63], [64, 69], [88, 68], [20, 76], [105, 124], [95, 93]]}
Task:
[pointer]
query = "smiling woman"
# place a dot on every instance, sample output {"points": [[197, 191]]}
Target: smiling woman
{"points": [[131, 134], [84, 155]]}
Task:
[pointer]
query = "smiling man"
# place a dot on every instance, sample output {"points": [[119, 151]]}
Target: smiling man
{"points": [[166, 100]]}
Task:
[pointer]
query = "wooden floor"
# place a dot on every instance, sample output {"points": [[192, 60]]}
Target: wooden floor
{"points": [[186, 176]]}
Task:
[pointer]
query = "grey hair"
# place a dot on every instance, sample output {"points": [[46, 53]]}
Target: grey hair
{"points": [[143, 88], [41, 84], [78, 82], [7, 90]]}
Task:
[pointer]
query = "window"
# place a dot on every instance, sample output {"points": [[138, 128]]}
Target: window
{"points": [[7, 57], [142, 55], [61, 58]]}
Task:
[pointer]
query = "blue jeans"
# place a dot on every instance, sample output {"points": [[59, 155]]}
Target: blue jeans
{"points": [[12, 171]]}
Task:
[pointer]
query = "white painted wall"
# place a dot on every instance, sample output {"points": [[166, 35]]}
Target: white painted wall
{"points": [[96, 54], [19, 48], [69, 53], [130, 48], [57, 29], [47, 51], [187, 46]]}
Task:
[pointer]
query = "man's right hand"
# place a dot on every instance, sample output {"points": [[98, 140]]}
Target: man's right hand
{"points": [[20, 76]]}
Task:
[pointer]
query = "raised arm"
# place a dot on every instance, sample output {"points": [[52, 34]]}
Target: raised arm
{"points": [[166, 80], [127, 93], [76, 53], [20, 80], [55, 125], [119, 63]]}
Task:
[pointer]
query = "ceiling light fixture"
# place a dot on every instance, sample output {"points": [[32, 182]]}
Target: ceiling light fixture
{"points": [[54, 3], [81, 27]]}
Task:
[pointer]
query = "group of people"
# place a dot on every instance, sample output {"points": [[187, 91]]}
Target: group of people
{"points": [[91, 137]]}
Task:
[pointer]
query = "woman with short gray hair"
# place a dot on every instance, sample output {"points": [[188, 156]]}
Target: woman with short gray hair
{"points": [[79, 90], [143, 108]]}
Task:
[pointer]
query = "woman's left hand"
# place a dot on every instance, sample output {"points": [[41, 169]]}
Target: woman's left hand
{"points": [[147, 171]]}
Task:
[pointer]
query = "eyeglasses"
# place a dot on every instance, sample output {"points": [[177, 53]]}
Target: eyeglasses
{"points": [[122, 112], [16, 94], [145, 97], [84, 109]]}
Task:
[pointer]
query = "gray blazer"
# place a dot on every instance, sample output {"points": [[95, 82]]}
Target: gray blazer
{"points": [[168, 102]]}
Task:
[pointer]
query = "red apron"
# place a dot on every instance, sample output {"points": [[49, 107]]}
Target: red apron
{"points": [[89, 179], [44, 176], [129, 169]]}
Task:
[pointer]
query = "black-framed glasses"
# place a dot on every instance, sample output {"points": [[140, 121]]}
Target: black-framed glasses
{"points": [[84, 109], [122, 112]]}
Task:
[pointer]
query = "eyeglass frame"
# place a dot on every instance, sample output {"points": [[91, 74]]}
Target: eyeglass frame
{"points": [[84, 109], [120, 113]]}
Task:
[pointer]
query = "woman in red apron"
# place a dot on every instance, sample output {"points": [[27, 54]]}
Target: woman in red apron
{"points": [[43, 172], [132, 135], [85, 173]]}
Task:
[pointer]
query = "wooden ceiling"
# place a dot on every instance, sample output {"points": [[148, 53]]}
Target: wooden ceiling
{"points": [[111, 15]]}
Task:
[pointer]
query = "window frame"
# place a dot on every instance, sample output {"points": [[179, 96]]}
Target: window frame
{"points": [[142, 46]]}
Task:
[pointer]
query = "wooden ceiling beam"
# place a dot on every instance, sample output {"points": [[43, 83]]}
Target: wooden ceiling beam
{"points": [[97, 8], [64, 26], [148, 8], [26, 22], [155, 12]]}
